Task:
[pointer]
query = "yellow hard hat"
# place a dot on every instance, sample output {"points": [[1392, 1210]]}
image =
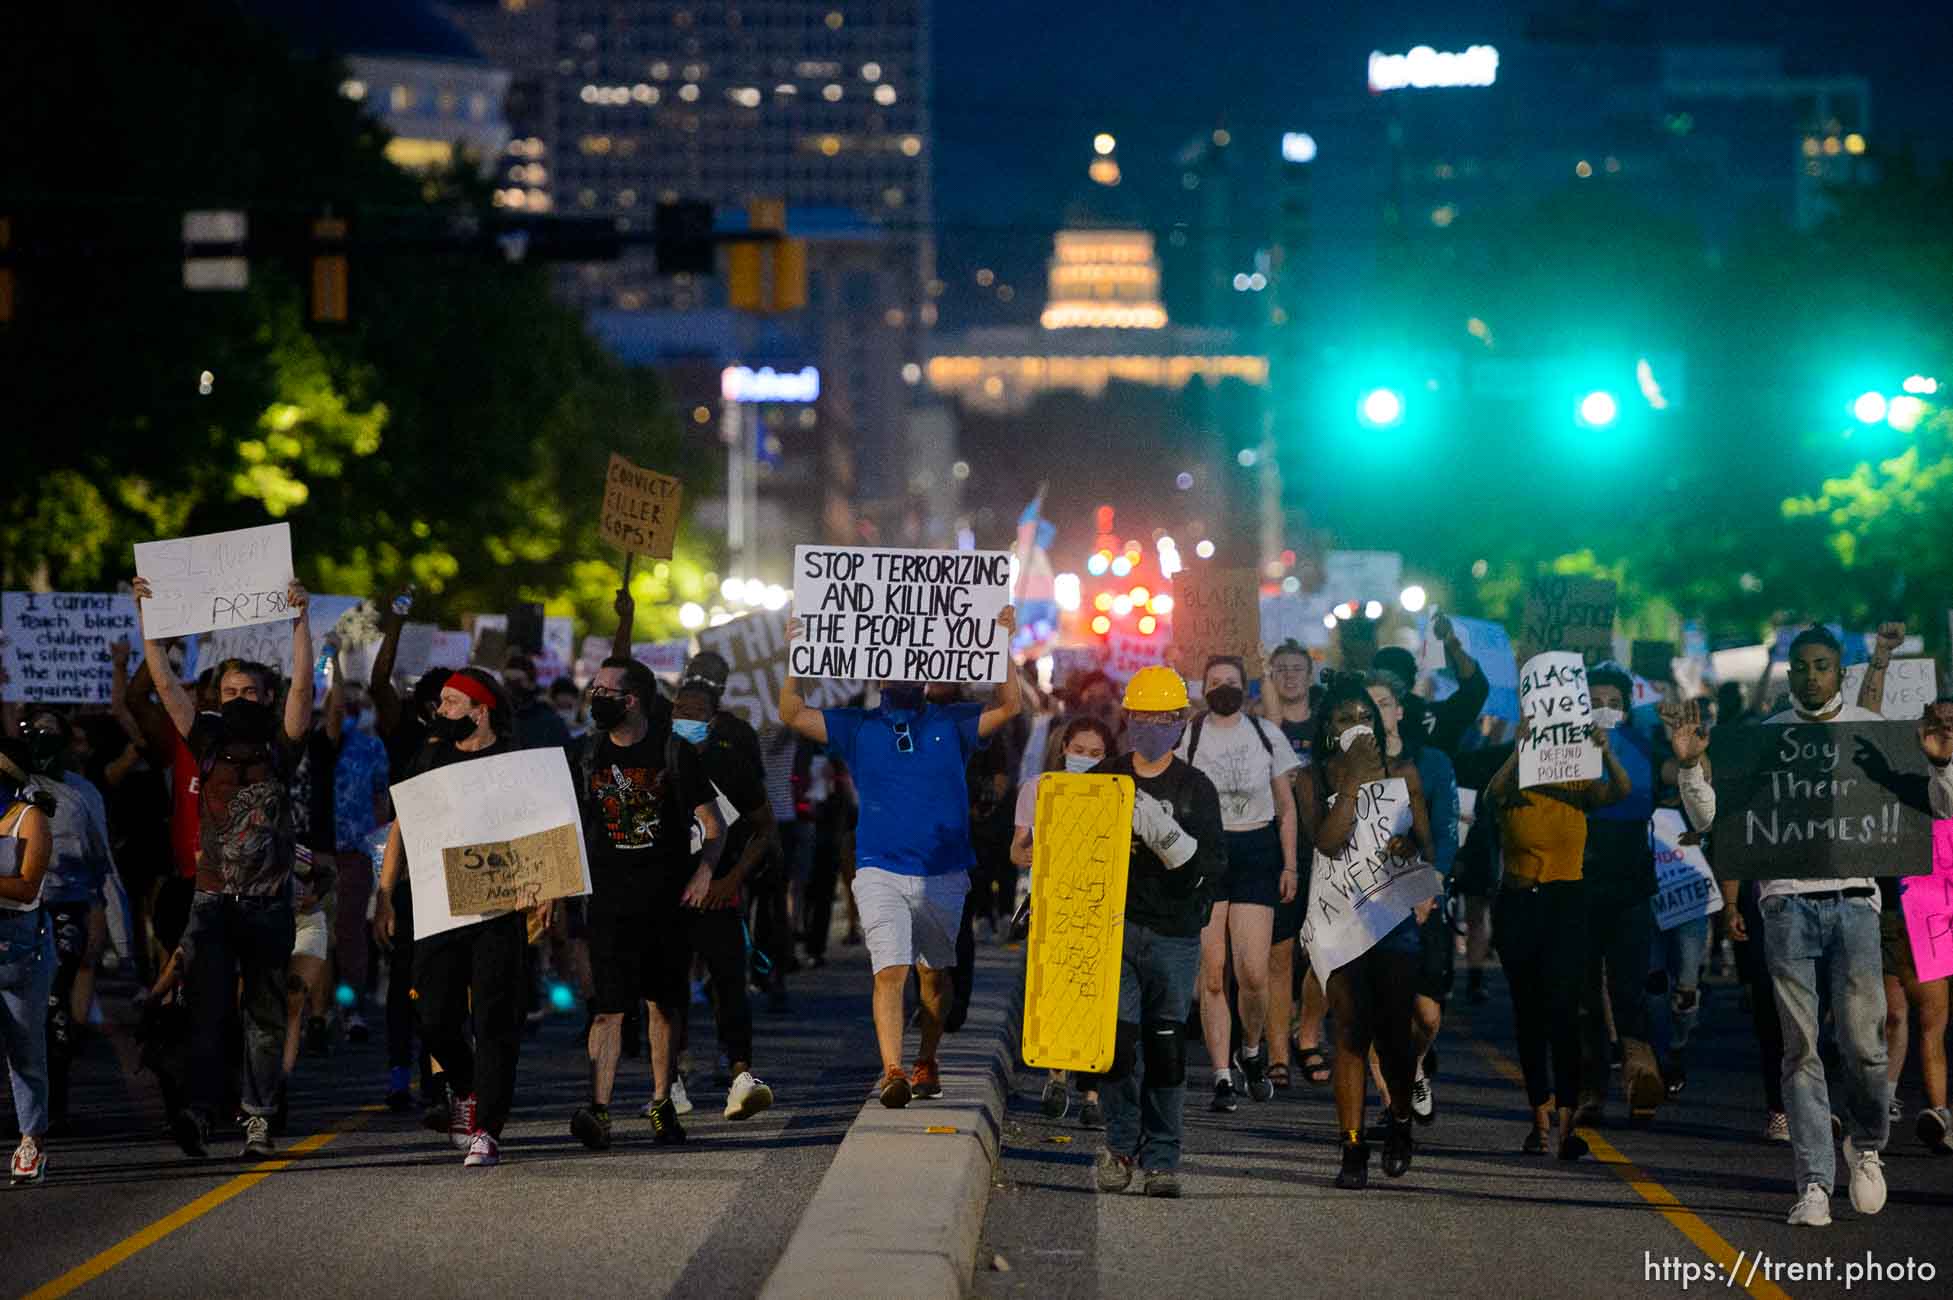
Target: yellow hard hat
{"points": [[1157, 689]]}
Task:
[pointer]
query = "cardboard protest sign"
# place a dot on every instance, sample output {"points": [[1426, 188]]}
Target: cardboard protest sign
{"points": [[1928, 904], [755, 648], [900, 615], [506, 874], [640, 511], [1081, 849], [56, 644], [1216, 612], [1564, 613], [1360, 895], [1807, 800], [1910, 685], [1685, 888], [216, 581], [1559, 713], [498, 803]]}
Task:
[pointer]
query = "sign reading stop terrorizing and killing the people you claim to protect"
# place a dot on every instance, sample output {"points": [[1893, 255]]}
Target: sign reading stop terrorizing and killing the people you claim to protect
{"points": [[216, 581], [900, 615]]}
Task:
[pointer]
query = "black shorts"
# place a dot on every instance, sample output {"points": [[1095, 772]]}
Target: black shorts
{"points": [[1439, 953], [640, 949], [1254, 868]]}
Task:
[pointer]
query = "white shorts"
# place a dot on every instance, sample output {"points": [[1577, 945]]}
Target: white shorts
{"points": [[910, 920], [310, 934]]}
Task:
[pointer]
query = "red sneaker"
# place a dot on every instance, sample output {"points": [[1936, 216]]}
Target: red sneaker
{"points": [[461, 1122], [925, 1080], [895, 1091]]}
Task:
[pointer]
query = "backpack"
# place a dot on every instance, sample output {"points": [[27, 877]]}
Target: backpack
{"points": [[1193, 738]]}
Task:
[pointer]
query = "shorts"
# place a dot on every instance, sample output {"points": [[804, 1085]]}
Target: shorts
{"points": [[640, 950], [310, 933], [1895, 947], [910, 920], [1254, 869], [1439, 953]]}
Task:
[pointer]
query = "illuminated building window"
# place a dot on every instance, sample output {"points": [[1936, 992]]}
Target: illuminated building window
{"points": [[1583, 169], [353, 88], [911, 145], [478, 107], [831, 92], [445, 103], [419, 155], [884, 95], [402, 98]]}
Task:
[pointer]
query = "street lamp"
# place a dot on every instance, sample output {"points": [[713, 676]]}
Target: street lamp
{"points": [[1412, 598], [1869, 408], [1381, 407], [1599, 409]]}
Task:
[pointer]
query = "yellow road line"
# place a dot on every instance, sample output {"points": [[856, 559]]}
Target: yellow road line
{"points": [[1685, 1221], [144, 1238]]}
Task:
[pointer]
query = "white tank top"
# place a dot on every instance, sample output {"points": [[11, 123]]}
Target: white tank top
{"points": [[12, 850]]}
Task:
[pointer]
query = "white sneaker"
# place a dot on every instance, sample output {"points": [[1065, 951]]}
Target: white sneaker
{"points": [[679, 1101], [748, 1097], [1813, 1209], [1867, 1178], [1423, 1105], [30, 1162], [461, 1123], [484, 1152]]}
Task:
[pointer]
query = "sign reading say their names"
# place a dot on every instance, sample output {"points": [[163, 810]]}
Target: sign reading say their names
{"points": [[57, 644], [216, 581], [1811, 800], [1685, 887], [1361, 894], [640, 509], [507, 803], [900, 615], [1216, 612], [1559, 713], [1565, 613]]}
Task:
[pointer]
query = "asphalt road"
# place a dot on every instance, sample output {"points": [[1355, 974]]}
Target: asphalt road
{"points": [[372, 1204], [1473, 1217]]}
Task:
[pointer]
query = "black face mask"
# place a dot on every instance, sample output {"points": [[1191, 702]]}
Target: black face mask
{"points": [[1226, 701], [608, 711], [247, 720], [452, 730], [47, 752]]}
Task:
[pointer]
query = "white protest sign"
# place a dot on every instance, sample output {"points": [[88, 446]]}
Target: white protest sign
{"points": [[1685, 887], [1490, 647], [449, 648], [1362, 576], [1910, 685], [665, 657], [56, 644], [415, 653], [1559, 712], [216, 581], [558, 649], [1361, 894], [1295, 618], [900, 615], [271, 643], [755, 649], [481, 801], [1128, 652]]}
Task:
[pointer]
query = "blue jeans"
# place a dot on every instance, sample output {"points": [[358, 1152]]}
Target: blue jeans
{"points": [[26, 975], [1681, 952], [1156, 988], [1838, 937]]}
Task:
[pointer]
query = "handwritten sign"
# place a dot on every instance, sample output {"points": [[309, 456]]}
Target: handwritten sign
{"points": [[1295, 618], [415, 653], [271, 643], [1928, 904], [1361, 894], [482, 802], [755, 649], [1362, 576], [900, 615], [1216, 612], [1081, 853], [450, 648], [1559, 712], [1685, 888], [1820, 800], [1910, 685], [1574, 614], [666, 657], [507, 874], [640, 509], [217, 580], [1128, 652], [56, 644]]}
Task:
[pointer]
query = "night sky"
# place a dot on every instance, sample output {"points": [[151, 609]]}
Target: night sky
{"points": [[1022, 86]]}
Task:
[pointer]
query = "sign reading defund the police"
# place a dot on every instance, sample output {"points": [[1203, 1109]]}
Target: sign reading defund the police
{"points": [[1558, 714], [1361, 894], [1821, 800], [900, 616], [57, 644]]}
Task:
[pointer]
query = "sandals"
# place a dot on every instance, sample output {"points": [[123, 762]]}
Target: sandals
{"points": [[1313, 1064], [1279, 1076]]}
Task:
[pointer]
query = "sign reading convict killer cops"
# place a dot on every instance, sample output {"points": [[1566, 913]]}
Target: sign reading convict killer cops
{"points": [[1821, 800], [57, 644], [900, 615], [216, 581], [1559, 713], [640, 509], [1361, 894]]}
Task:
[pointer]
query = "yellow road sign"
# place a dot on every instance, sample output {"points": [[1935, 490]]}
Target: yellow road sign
{"points": [[1081, 849]]}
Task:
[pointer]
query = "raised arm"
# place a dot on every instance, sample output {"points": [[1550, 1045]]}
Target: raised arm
{"points": [[177, 703], [1871, 693], [1009, 700], [335, 708], [808, 723], [626, 607], [1689, 742], [298, 700], [386, 700]]}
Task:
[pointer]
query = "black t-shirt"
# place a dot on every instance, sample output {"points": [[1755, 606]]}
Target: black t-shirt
{"points": [[637, 814], [1301, 737], [244, 809], [736, 771], [1176, 902]]}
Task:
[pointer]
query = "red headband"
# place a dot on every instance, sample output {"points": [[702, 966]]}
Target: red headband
{"points": [[472, 687]]}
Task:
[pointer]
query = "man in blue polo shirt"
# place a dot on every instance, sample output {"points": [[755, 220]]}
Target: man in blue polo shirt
{"points": [[912, 848]]}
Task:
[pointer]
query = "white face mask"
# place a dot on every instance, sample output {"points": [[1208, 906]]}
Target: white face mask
{"points": [[1076, 763], [1607, 719], [1348, 738], [1831, 706]]}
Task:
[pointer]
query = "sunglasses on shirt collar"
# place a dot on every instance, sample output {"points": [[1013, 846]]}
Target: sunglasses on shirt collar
{"points": [[904, 740]]}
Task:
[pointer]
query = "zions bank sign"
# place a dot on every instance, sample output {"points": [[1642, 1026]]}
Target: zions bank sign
{"points": [[1424, 68]]}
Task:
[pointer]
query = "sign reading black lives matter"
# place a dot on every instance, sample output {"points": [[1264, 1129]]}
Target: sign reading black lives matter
{"points": [[900, 615], [1559, 713], [1820, 800]]}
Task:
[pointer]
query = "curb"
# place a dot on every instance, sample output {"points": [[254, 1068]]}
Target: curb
{"points": [[900, 1210]]}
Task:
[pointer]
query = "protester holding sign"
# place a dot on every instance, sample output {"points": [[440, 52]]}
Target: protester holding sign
{"points": [[241, 922], [912, 849], [1259, 902], [473, 968], [1539, 925]]}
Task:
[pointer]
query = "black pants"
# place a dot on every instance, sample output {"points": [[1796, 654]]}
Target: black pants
{"points": [[70, 924], [228, 940], [1620, 938], [771, 934], [817, 916], [480, 964], [719, 938], [1373, 1001], [400, 991], [1755, 972], [1541, 935]]}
